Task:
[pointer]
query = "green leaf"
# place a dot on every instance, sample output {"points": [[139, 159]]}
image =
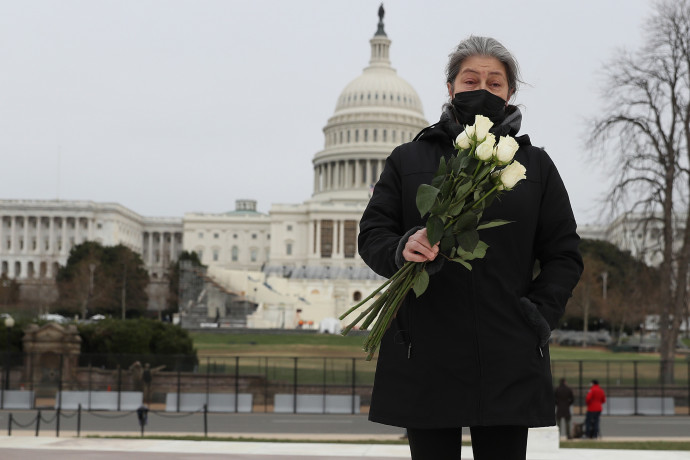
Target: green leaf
{"points": [[442, 168], [463, 263], [437, 181], [447, 242], [457, 164], [440, 208], [456, 209], [426, 195], [493, 223], [468, 240], [421, 282], [465, 221], [485, 170], [462, 189], [471, 164], [434, 229], [446, 188], [480, 251]]}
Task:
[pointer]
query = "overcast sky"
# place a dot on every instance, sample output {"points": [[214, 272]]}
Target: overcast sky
{"points": [[171, 106]]}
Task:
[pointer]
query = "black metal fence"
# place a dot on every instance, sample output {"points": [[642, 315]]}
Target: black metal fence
{"points": [[282, 384]]}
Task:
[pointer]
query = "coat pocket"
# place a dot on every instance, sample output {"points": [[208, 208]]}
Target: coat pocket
{"points": [[535, 320]]}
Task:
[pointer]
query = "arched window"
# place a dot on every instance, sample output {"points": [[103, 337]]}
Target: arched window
{"points": [[253, 254], [235, 253], [357, 296]]}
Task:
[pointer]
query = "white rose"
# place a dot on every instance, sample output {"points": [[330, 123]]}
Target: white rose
{"points": [[485, 150], [462, 141], [482, 125], [505, 151], [511, 175]]}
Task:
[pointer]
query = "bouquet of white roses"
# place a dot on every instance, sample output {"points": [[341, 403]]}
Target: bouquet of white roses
{"points": [[463, 186]]}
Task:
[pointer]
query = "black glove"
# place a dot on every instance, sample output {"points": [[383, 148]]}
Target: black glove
{"points": [[431, 267], [535, 320]]}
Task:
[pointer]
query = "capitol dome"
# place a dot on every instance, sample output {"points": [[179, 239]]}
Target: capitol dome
{"points": [[376, 112]]}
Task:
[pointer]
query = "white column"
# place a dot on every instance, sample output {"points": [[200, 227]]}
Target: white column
{"points": [[367, 172], [316, 179], [331, 178], [347, 177], [150, 250], [311, 234], [333, 236], [39, 237], [13, 237], [51, 237], [358, 174], [340, 229], [25, 249], [77, 230], [3, 246], [171, 248], [336, 174], [161, 243], [317, 246], [63, 236], [161, 249], [357, 240]]}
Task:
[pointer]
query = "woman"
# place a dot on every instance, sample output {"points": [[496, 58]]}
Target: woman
{"points": [[472, 350]]}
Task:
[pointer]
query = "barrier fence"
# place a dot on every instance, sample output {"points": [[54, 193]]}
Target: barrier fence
{"points": [[34, 421], [182, 384]]}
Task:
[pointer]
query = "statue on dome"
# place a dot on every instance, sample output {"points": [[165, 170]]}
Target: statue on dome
{"points": [[382, 12]]}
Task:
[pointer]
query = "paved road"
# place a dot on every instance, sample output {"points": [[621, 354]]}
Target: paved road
{"points": [[301, 426], [30, 448]]}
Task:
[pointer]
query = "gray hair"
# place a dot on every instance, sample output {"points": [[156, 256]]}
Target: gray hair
{"points": [[483, 46]]}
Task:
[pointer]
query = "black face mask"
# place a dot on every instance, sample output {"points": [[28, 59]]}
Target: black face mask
{"points": [[467, 104]]}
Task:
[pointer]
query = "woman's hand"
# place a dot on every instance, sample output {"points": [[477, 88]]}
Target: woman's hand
{"points": [[418, 248]]}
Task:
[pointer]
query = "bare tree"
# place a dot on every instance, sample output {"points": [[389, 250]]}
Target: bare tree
{"points": [[648, 114]]}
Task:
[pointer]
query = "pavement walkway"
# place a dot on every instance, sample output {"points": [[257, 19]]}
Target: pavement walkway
{"points": [[30, 448]]}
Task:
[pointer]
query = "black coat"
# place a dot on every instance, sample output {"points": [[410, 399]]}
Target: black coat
{"points": [[462, 354], [564, 398]]}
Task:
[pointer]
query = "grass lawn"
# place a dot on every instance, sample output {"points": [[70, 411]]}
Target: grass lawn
{"points": [[283, 345], [335, 345]]}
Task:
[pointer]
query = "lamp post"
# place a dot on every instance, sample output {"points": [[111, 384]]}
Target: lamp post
{"points": [[9, 323]]}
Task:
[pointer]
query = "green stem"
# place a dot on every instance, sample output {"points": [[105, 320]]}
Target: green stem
{"points": [[369, 297], [476, 203], [375, 306], [386, 317]]}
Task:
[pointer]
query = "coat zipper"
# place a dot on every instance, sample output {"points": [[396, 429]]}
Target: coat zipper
{"points": [[409, 330], [476, 345]]}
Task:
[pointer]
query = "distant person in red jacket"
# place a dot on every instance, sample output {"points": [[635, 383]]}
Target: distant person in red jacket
{"points": [[595, 398]]}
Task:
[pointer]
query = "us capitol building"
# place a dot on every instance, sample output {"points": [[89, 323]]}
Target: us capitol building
{"points": [[298, 262]]}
